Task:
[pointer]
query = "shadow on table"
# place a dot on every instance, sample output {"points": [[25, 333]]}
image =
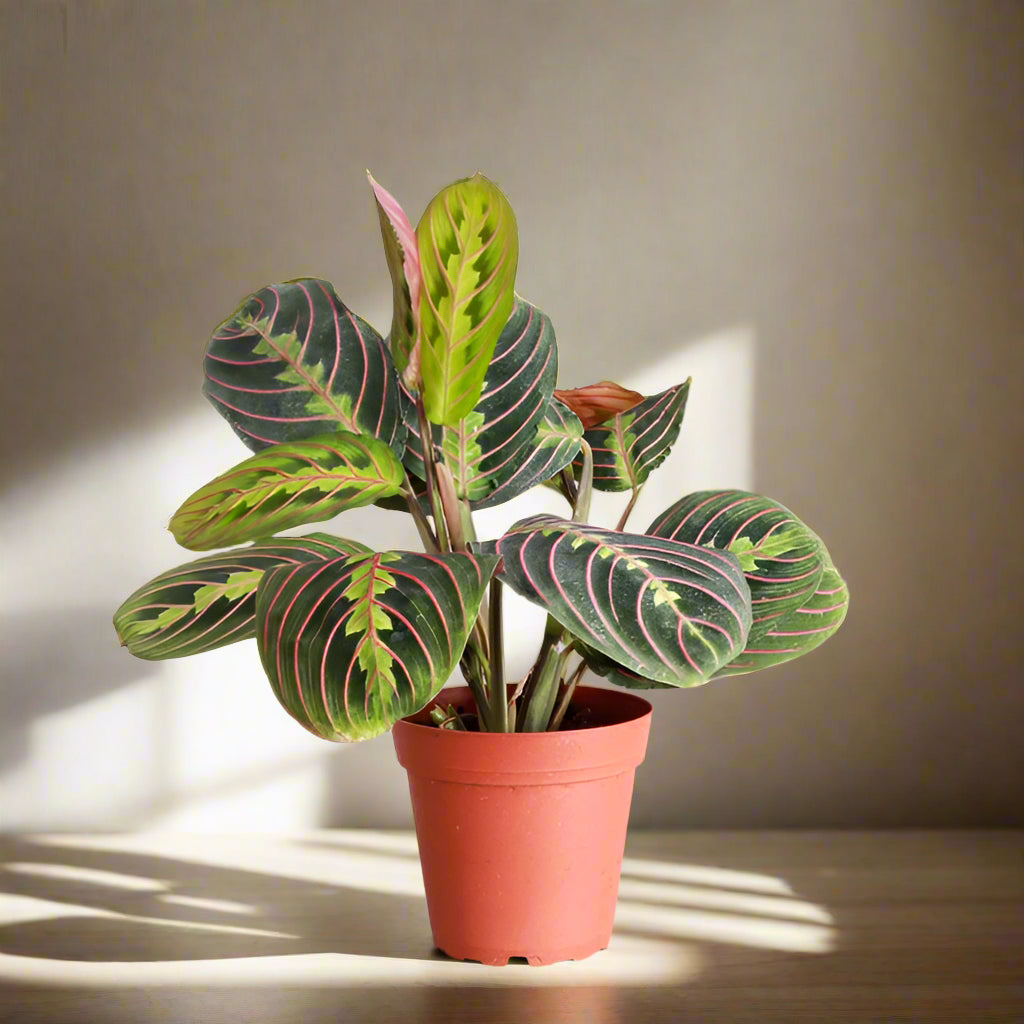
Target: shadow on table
{"points": [[95, 908], [108, 905], [659, 898], [120, 906]]}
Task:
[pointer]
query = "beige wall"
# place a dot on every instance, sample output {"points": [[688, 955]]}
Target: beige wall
{"points": [[829, 195]]}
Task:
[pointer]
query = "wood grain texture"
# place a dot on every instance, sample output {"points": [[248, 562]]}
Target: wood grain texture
{"points": [[758, 927]]}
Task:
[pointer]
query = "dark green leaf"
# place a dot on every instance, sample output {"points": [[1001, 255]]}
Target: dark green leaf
{"points": [[354, 644], [210, 602], [785, 564], [803, 629], [670, 611], [632, 444], [294, 362], [555, 444]]}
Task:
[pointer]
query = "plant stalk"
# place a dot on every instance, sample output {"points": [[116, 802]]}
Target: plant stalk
{"points": [[429, 471], [542, 701], [451, 507], [552, 635], [585, 489], [422, 523], [499, 702], [476, 680], [563, 704], [629, 508], [568, 485]]}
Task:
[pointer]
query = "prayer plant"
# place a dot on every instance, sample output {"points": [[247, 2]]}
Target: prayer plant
{"points": [[457, 411]]}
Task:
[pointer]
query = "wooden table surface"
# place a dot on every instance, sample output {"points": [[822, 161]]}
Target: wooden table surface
{"points": [[738, 927]]}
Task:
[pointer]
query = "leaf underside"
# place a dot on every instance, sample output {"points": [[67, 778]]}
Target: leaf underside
{"points": [[402, 256]]}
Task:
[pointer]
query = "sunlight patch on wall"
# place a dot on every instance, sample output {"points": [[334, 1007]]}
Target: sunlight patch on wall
{"points": [[99, 739]]}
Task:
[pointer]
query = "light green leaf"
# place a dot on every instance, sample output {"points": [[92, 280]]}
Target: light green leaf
{"points": [[498, 437], [469, 249], [287, 485]]}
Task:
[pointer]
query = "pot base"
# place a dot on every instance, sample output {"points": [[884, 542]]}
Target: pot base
{"points": [[494, 958]]}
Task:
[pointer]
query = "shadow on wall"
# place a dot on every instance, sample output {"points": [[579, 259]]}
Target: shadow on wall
{"points": [[54, 660], [205, 740]]}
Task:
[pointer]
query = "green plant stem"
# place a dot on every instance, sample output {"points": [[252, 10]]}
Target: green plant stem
{"points": [[422, 524], [447, 718], [542, 701], [429, 472], [629, 508], [563, 704], [585, 489], [496, 637], [451, 507], [476, 680], [568, 486], [525, 689]]}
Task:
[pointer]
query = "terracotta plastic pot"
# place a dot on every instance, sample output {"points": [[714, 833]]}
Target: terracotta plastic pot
{"points": [[521, 834]]}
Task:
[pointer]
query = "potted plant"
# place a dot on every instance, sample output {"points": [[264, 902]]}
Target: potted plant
{"points": [[521, 788]]}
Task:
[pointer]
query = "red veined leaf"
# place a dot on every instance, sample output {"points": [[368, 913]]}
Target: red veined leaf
{"points": [[293, 362], [285, 486], [354, 644], [211, 601], [469, 250], [670, 611]]}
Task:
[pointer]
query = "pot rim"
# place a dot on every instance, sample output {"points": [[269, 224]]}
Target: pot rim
{"points": [[639, 709], [525, 758]]}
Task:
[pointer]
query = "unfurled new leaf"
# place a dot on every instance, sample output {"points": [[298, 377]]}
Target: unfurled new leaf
{"points": [[285, 486], [469, 249], [402, 253], [594, 404]]}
